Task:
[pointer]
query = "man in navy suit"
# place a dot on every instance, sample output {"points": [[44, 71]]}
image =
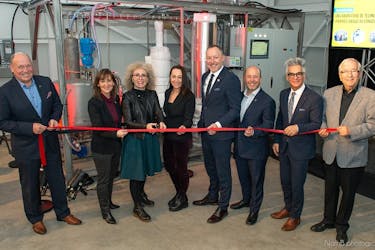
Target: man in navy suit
{"points": [[252, 146], [300, 111], [30, 106], [221, 98]]}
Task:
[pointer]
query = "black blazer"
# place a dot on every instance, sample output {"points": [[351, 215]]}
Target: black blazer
{"points": [[17, 116], [261, 114], [178, 113], [104, 142], [222, 104], [307, 115]]}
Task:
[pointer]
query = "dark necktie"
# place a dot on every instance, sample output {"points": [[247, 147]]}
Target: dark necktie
{"points": [[290, 106], [209, 84]]}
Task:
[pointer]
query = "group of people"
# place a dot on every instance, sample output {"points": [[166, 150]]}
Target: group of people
{"points": [[348, 108], [140, 152]]}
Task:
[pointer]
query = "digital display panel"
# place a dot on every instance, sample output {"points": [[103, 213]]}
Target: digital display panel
{"points": [[259, 49], [353, 24]]}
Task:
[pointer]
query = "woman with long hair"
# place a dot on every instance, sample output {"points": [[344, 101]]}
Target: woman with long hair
{"points": [[105, 111]]}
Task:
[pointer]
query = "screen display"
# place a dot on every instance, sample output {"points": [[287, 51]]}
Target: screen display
{"points": [[259, 49], [353, 24]]}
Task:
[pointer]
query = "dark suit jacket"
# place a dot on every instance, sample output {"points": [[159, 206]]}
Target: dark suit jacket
{"points": [[104, 142], [222, 103], [261, 114], [17, 116], [307, 115], [178, 113]]}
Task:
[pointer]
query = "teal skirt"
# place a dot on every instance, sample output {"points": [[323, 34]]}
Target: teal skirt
{"points": [[140, 157]]}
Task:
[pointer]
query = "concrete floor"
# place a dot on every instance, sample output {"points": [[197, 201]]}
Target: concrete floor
{"points": [[186, 229]]}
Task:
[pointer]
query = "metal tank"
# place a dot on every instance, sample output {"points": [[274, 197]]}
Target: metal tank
{"points": [[204, 34], [78, 95], [71, 58]]}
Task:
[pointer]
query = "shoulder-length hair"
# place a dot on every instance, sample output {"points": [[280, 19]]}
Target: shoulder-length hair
{"points": [[185, 86], [139, 65], [102, 74]]}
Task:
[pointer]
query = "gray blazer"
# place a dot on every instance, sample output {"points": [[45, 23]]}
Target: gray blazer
{"points": [[350, 151]]}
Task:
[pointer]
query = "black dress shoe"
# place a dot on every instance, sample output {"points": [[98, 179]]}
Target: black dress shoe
{"points": [[141, 214], [342, 237], [252, 218], [181, 202], [239, 204], [113, 206], [205, 201], [190, 173], [321, 226], [145, 201], [109, 218], [172, 201], [217, 216]]}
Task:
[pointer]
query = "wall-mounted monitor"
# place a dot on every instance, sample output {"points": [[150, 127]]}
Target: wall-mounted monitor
{"points": [[259, 49], [353, 24]]}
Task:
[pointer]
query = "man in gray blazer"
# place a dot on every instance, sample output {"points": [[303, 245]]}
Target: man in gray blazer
{"points": [[349, 108]]}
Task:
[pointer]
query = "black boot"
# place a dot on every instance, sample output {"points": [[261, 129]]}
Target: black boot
{"points": [[109, 218], [141, 214], [172, 202], [180, 203], [145, 201]]}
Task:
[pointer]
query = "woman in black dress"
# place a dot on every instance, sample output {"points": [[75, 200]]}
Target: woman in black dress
{"points": [[104, 111], [179, 107]]}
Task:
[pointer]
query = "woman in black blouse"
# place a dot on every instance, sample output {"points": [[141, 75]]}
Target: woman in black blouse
{"points": [[179, 107], [104, 111]]}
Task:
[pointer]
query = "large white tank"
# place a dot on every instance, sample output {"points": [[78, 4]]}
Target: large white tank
{"points": [[160, 59]]}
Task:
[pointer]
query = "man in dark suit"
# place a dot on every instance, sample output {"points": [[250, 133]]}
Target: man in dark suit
{"points": [[221, 98], [30, 106], [300, 111], [349, 108], [252, 146]]}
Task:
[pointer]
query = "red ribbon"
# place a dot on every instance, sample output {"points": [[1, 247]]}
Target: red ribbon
{"points": [[174, 130], [42, 152], [159, 130]]}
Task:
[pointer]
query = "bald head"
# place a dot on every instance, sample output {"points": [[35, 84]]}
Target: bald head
{"points": [[252, 78], [21, 67]]}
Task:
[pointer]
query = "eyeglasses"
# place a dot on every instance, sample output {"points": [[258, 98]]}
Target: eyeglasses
{"points": [[140, 75], [22, 67], [298, 74], [347, 72]]}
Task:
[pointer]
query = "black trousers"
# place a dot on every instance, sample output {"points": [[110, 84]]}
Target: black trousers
{"points": [[106, 166], [175, 155], [137, 190], [29, 179], [348, 179]]}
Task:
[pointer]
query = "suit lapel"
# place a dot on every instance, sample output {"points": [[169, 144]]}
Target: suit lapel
{"points": [[43, 96], [336, 100], [254, 103], [21, 97]]}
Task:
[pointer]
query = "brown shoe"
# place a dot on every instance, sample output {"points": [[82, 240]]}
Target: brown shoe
{"points": [[71, 220], [291, 224], [39, 227], [283, 213]]}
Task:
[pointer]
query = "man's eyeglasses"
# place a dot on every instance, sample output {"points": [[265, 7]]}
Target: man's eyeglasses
{"points": [[140, 75], [22, 67], [347, 72], [298, 74]]}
